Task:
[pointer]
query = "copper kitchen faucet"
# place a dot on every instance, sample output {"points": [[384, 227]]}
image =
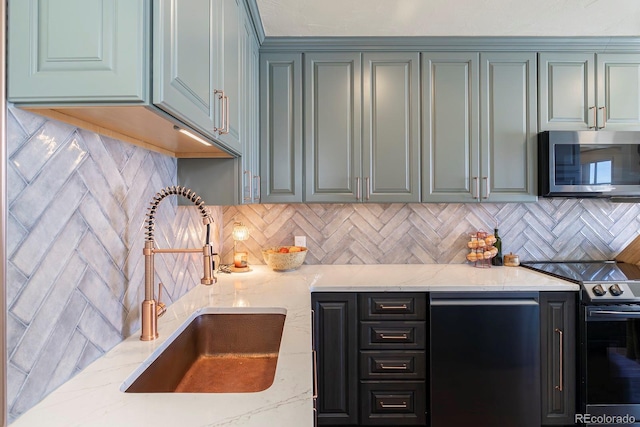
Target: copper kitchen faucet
{"points": [[152, 308]]}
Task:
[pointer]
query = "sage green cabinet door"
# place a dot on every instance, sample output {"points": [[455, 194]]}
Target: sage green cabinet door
{"points": [[281, 127], [391, 127], [618, 91], [49, 62], [567, 91], [183, 61], [229, 103], [450, 154], [332, 127], [249, 99], [508, 123]]}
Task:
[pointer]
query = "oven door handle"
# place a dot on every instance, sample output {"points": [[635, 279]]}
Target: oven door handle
{"points": [[614, 313]]}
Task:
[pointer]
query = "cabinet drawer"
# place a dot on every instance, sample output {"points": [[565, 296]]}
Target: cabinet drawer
{"points": [[394, 403], [393, 365], [396, 306], [392, 335]]}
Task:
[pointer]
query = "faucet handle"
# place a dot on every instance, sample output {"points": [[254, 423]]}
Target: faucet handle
{"points": [[161, 308]]}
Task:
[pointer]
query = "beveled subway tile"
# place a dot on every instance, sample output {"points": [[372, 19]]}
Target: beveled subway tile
{"points": [[103, 164], [42, 146], [34, 247], [136, 167], [66, 367], [98, 330], [103, 229], [100, 261], [54, 346], [28, 121], [62, 249], [17, 184], [44, 190], [99, 295], [16, 233], [28, 352], [15, 329], [98, 187], [16, 135], [89, 354], [15, 380]]}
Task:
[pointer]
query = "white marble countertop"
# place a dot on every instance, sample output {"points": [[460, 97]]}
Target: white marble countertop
{"points": [[94, 396]]}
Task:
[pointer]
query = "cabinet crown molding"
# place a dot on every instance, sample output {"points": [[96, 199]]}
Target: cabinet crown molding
{"points": [[547, 44]]}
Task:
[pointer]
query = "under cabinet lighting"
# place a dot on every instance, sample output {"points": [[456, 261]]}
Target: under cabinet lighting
{"points": [[192, 135]]}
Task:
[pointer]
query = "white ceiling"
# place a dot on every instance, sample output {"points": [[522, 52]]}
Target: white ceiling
{"points": [[450, 17]]}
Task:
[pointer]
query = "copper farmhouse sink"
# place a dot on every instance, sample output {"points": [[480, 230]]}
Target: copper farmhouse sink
{"points": [[216, 353]]}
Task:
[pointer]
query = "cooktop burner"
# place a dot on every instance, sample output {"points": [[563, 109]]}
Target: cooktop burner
{"points": [[603, 281]]}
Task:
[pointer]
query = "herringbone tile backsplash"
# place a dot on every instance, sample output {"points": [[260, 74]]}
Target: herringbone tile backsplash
{"points": [[75, 273], [436, 233], [76, 207]]}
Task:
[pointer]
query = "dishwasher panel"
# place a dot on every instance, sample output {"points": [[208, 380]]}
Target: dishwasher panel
{"points": [[485, 359]]}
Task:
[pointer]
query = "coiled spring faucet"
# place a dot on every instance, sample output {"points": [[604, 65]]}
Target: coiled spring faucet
{"points": [[152, 308]]}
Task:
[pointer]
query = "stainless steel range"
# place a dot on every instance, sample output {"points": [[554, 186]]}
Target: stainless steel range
{"points": [[608, 336], [603, 282]]}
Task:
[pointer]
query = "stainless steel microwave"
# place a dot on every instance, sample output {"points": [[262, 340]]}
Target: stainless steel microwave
{"points": [[589, 164]]}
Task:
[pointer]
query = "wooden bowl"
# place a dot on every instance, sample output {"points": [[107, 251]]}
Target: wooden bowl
{"points": [[283, 261]]}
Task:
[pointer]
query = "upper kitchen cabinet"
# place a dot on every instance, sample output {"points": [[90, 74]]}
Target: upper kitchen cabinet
{"points": [[197, 60], [239, 176], [77, 50], [475, 151], [391, 127], [281, 127], [333, 143], [183, 61], [98, 73], [227, 85], [450, 128], [249, 136], [362, 127], [580, 91], [508, 127]]}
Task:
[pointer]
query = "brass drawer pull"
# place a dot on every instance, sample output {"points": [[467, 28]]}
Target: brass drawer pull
{"points": [[402, 367], [403, 405], [393, 307], [394, 337]]}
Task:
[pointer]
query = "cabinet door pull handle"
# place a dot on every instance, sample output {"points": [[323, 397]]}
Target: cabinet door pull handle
{"points": [[486, 187], [226, 114], [394, 337], [595, 117], [220, 94], [315, 374], [604, 117], [259, 183], [393, 307], [367, 187], [358, 188], [402, 367], [403, 405], [561, 377], [476, 187], [249, 194]]}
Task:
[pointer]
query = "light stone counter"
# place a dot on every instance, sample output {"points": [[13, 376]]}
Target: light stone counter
{"points": [[94, 397]]}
